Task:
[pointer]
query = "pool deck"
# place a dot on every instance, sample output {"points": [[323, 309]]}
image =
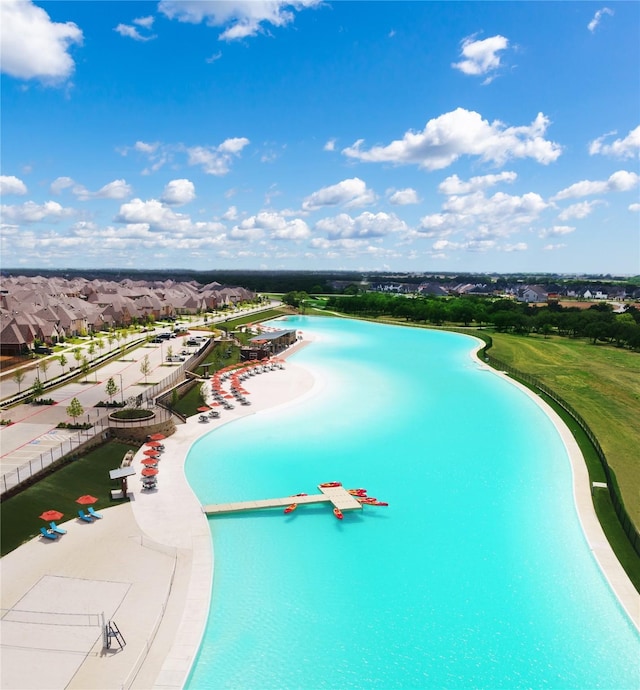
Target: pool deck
{"points": [[148, 565]]}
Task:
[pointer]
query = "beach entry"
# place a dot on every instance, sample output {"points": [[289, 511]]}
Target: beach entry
{"points": [[477, 573]]}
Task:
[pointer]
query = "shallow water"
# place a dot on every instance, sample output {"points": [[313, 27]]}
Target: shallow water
{"points": [[477, 575]]}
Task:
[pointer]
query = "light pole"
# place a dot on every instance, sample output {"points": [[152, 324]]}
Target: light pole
{"points": [[121, 390]]}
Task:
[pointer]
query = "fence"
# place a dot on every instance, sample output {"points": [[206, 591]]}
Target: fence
{"points": [[96, 434], [612, 485]]}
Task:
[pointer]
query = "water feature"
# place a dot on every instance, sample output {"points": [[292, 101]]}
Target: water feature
{"points": [[477, 575]]}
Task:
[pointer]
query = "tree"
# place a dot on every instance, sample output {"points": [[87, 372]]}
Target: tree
{"points": [[77, 354], [174, 398], [169, 352], [37, 388], [43, 365], [111, 388], [85, 368], [75, 409], [63, 362], [91, 349], [100, 343], [18, 377], [145, 367]]}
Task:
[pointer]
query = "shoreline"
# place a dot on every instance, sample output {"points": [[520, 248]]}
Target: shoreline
{"points": [[160, 549]]}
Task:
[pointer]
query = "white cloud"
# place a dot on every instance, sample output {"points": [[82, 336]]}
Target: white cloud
{"points": [[118, 189], [330, 145], [9, 184], [129, 31], [178, 192], [497, 208], [402, 197], [60, 184], [241, 18], [454, 185], [216, 160], [231, 213], [629, 147], [272, 223], [481, 57], [463, 132], [517, 247], [634, 208], [557, 231], [597, 17], [580, 210], [30, 212], [144, 147], [553, 247], [620, 181], [365, 226], [350, 192], [34, 47], [154, 214]]}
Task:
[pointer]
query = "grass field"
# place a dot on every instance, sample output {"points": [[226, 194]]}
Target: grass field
{"points": [[601, 382], [58, 491]]}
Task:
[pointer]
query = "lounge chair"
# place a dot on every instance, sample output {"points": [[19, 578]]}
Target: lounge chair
{"points": [[203, 418], [48, 535], [83, 516], [56, 529], [93, 513]]}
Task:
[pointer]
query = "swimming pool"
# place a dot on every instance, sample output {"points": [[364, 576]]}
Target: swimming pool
{"points": [[477, 575]]}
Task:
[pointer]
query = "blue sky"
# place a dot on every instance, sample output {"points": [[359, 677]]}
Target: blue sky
{"points": [[402, 136]]}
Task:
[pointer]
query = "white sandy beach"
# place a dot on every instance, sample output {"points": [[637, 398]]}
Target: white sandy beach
{"points": [[148, 565]]}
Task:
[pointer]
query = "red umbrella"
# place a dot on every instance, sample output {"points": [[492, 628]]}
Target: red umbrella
{"points": [[51, 515], [150, 451], [157, 437], [146, 472], [204, 408], [228, 395], [86, 499], [154, 444]]}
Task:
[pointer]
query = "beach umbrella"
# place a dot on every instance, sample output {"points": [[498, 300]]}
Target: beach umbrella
{"points": [[157, 437], [150, 451], [228, 396], [154, 444], [149, 461], [86, 499], [204, 408], [51, 515], [147, 472]]}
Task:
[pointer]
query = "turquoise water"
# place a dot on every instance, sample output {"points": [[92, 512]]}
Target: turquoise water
{"points": [[477, 575]]}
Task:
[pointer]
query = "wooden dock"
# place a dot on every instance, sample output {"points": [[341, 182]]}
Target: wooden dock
{"points": [[337, 495]]}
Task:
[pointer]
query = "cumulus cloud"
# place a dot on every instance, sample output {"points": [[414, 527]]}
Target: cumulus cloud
{"points": [[597, 17], [9, 184], [365, 226], [330, 145], [454, 185], [402, 197], [240, 18], [34, 47], [556, 231], [459, 133], [580, 210], [273, 224], [351, 192], [30, 212], [118, 189], [153, 214], [629, 147], [129, 31], [216, 160], [620, 181], [634, 208], [481, 57], [178, 192]]}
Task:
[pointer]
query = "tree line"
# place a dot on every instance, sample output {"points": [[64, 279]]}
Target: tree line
{"points": [[598, 323]]}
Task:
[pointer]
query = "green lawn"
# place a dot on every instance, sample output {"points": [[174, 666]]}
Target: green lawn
{"points": [[88, 475], [601, 382]]}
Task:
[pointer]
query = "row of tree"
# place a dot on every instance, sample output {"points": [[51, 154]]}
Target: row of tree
{"points": [[599, 322]]}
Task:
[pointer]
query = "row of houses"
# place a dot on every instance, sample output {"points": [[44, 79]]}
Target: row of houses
{"points": [[47, 310]]}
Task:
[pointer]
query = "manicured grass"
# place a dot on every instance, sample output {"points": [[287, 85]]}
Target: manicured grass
{"points": [[88, 475], [601, 382]]}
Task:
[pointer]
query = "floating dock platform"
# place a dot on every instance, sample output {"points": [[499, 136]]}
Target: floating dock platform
{"points": [[338, 496]]}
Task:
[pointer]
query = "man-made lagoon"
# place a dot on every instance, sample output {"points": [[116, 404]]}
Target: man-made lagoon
{"points": [[477, 575]]}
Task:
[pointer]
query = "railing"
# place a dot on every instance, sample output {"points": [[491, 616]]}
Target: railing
{"points": [[612, 484]]}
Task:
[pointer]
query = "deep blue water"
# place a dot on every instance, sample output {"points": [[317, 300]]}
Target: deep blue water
{"points": [[477, 575]]}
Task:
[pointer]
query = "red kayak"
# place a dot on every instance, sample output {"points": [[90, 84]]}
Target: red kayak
{"points": [[328, 485], [291, 508], [338, 513]]}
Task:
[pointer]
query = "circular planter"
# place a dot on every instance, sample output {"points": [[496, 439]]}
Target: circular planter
{"points": [[132, 416]]}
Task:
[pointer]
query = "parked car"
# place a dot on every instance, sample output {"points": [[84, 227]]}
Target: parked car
{"points": [[42, 350]]}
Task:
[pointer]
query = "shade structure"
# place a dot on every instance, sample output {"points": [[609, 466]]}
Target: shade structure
{"points": [[157, 437], [149, 472], [150, 461], [150, 451], [50, 515], [86, 499]]}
